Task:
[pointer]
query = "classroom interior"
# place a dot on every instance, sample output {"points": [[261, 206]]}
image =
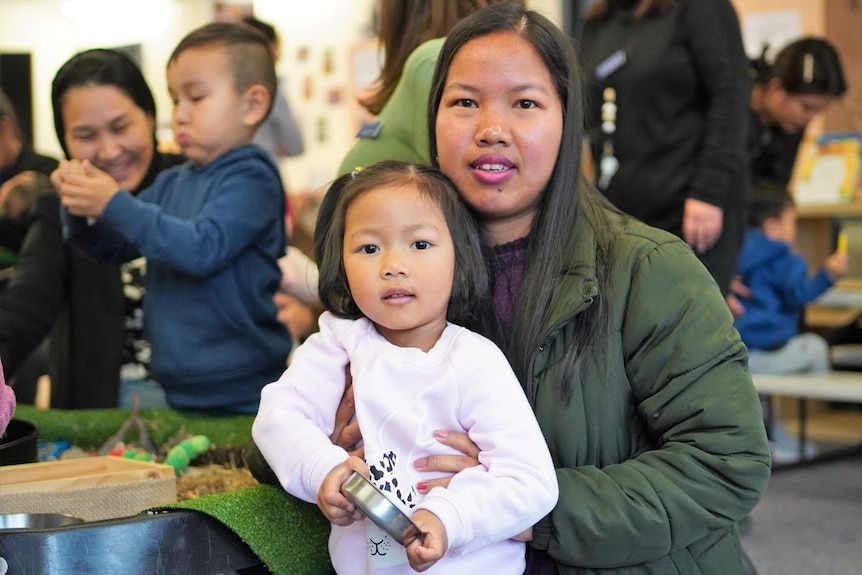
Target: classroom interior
{"points": [[330, 53]]}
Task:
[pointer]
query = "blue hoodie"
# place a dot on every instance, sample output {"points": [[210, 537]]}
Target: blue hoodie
{"points": [[780, 288], [212, 236]]}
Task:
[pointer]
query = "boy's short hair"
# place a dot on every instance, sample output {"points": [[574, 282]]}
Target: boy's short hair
{"points": [[248, 49], [268, 30], [769, 199]]}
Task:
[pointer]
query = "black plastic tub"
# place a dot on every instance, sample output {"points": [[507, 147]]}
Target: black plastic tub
{"points": [[169, 543], [18, 443]]}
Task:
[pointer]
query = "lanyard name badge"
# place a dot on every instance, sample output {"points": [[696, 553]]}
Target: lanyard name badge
{"points": [[608, 163]]}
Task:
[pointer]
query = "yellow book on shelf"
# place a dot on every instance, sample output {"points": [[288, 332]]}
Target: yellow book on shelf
{"points": [[830, 174]]}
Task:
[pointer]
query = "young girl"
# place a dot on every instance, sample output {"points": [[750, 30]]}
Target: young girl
{"points": [[401, 256]]}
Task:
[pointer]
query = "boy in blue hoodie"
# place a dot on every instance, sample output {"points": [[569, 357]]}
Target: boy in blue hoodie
{"points": [[212, 229], [780, 286]]}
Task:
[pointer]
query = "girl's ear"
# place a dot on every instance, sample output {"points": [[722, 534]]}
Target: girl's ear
{"points": [[255, 105]]}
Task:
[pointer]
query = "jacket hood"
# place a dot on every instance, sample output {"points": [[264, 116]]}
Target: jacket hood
{"points": [[758, 250]]}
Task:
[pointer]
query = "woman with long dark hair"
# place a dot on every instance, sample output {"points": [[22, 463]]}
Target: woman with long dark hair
{"points": [[104, 112]]}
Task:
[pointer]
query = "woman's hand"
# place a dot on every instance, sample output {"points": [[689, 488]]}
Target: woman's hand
{"points": [[738, 291], [331, 501], [701, 224], [346, 433], [295, 315], [447, 463]]}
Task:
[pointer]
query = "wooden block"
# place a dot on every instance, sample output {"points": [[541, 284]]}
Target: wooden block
{"points": [[91, 488]]}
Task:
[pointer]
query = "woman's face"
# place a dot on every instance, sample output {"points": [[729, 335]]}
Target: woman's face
{"points": [[792, 112], [499, 128], [104, 125]]}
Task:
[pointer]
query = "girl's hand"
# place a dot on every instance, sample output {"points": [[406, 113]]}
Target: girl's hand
{"points": [[331, 501], [447, 463], [423, 554]]}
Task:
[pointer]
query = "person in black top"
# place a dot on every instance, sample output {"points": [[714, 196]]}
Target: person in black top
{"points": [[16, 157], [104, 112], [805, 78], [667, 95]]}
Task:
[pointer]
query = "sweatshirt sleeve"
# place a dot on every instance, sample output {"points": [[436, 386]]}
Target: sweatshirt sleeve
{"points": [[713, 36], [237, 210], [297, 413], [798, 289], [516, 484]]}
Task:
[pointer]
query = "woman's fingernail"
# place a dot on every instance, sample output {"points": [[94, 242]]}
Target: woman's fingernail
{"points": [[420, 463], [441, 434], [422, 486]]}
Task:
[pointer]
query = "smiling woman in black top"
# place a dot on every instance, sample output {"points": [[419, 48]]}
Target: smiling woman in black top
{"points": [[85, 306]]}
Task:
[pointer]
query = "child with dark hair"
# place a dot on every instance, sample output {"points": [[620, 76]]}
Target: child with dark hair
{"points": [[401, 259], [212, 229], [780, 286]]}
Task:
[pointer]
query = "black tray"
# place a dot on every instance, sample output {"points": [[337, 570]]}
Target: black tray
{"points": [[169, 543], [19, 443]]}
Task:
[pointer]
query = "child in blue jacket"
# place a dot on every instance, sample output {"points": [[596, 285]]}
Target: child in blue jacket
{"points": [[211, 230], [780, 286]]}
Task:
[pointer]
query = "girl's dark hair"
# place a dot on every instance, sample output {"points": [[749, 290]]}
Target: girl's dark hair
{"points": [[470, 283], [567, 202], [404, 25], [769, 198], [99, 67], [806, 66]]}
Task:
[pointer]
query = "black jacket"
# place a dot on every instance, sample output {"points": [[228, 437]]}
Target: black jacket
{"points": [[682, 95], [57, 289], [12, 233]]}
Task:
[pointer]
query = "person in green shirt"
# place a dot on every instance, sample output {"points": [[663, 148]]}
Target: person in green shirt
{"points": [[411, 33]]}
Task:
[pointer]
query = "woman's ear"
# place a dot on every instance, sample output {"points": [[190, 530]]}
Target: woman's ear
{"points": [[775, 85], [255, 105]]}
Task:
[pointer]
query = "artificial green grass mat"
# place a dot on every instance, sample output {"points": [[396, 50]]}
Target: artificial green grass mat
{"points": [[90, 428], [288, 535]]}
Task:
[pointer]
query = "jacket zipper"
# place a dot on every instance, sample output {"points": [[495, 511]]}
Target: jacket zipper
{"points": [[587, 300]]}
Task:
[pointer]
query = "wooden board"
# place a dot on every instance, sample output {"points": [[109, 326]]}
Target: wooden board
{"points": [[72, 474]]}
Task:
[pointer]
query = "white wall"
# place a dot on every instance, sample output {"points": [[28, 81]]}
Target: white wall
{"points": [[53, 30]]}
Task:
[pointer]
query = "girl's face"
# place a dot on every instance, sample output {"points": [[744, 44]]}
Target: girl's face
{"points": [[103, 124], [400, 264], [792, 112], [499, 128]]}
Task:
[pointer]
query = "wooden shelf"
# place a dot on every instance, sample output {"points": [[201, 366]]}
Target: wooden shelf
{"points": [[848, 210]]}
